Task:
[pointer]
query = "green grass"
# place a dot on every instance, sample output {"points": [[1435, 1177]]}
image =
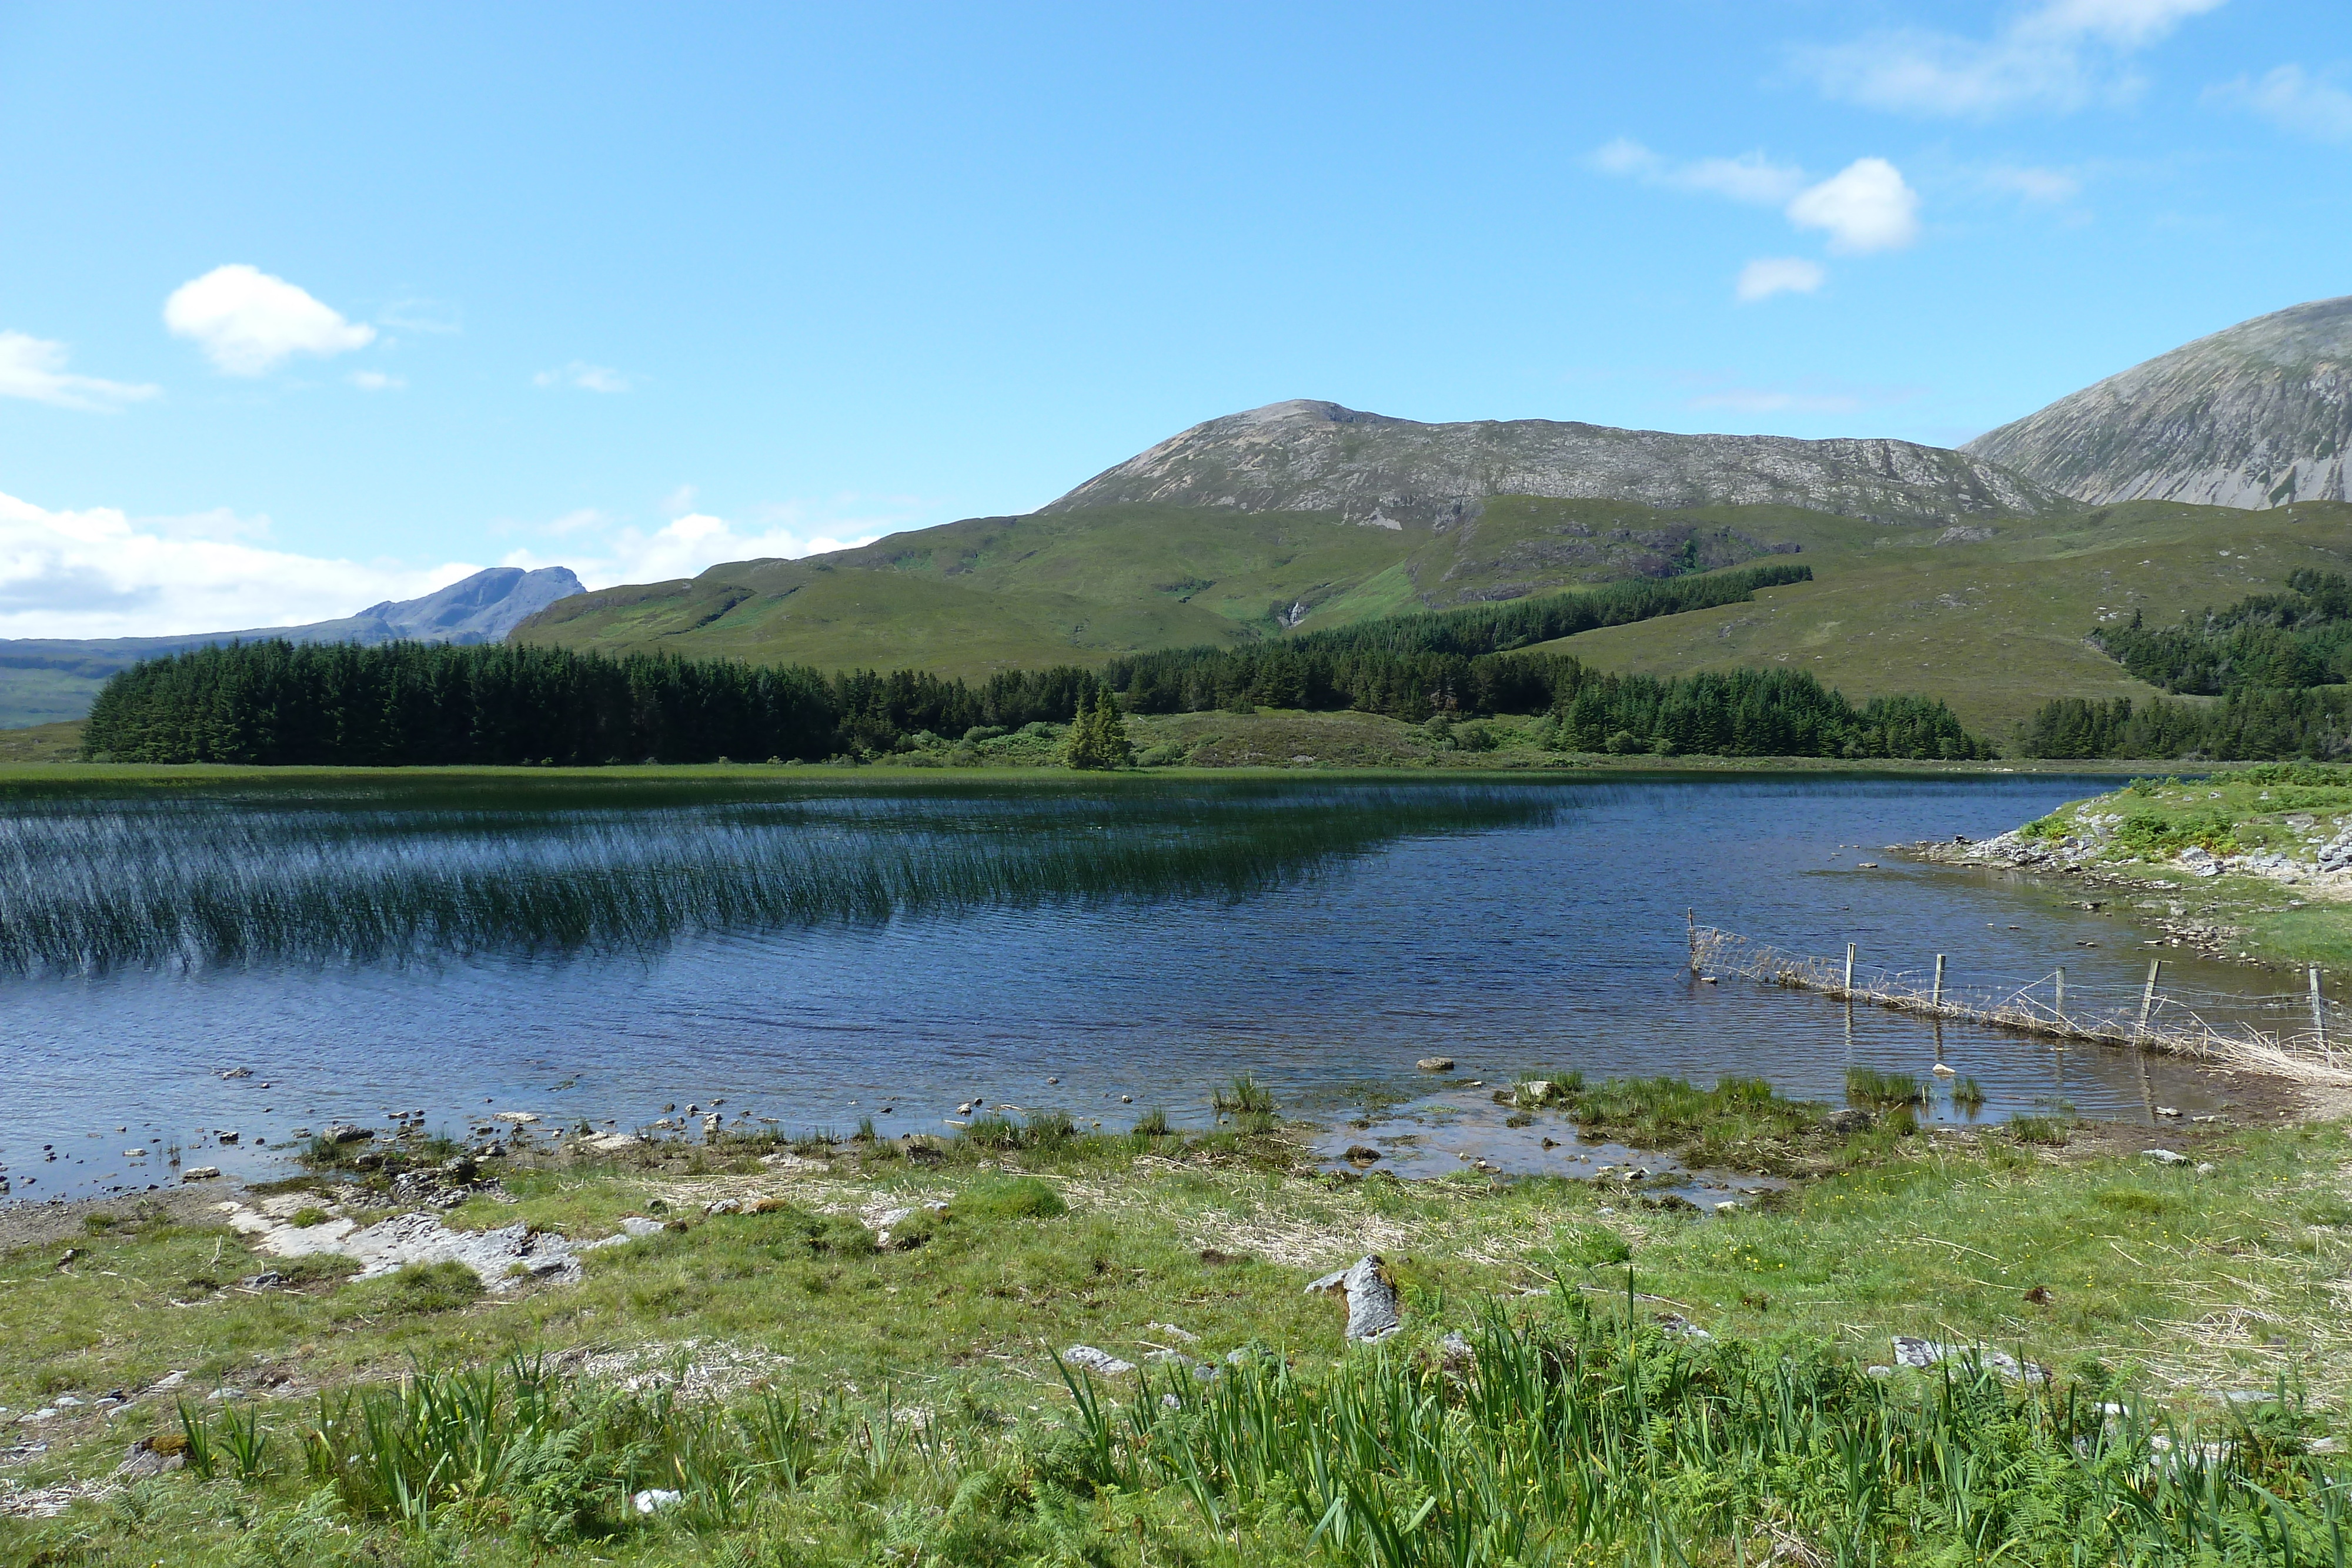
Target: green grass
{"points": [[2284, 807], [1995, 627], [892, 1401]]}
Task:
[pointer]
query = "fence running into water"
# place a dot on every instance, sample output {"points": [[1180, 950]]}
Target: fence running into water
{"points": [[2304, 1034]]}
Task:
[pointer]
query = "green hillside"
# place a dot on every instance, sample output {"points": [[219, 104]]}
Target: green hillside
{"points": [[1990, 618], [989, 593]]}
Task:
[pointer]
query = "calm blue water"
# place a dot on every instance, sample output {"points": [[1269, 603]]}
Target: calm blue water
{"points": [[1542, 930]]}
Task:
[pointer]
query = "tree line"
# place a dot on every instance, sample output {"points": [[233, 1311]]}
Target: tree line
{"points": [[2276, 641], [423, 704], [2250, 724]]}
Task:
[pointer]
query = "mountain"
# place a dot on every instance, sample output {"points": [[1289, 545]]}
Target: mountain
{"points": [[2258, 415], [46, 679], [1084, 585], [1369, 468]]}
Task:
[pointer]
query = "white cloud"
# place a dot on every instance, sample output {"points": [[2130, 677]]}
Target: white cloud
{"points": [[410, 313], [678, 502], [251, 322], [1865, 206], [35, 367], [1770, 275], [376, 380], [2060, 55], [689, 545], [2292, 99], [2046, 187], [100, 573], [1750, 177], [586, 377]]}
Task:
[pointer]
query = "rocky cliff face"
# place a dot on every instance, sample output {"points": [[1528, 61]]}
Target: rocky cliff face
{"points": [[2258, 415], [1373, 469]]}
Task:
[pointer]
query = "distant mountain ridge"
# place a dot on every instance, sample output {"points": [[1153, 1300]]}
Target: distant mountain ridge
{"points": [[2257, 416], [1371, 468], [46, 679]]}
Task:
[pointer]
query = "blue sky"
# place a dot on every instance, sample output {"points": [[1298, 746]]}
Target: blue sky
{"points": [[302, 307]]}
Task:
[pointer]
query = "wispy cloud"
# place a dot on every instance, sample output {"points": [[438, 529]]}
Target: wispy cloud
{"points": [[2059, 56], [2041, 187], [249, 322], [377, 381], [584, 376], [606, 552], [2292, 99], [1770, 275], [1863, 207], [34, 368], [1715, 393], [412, 314], [1750, 177]]}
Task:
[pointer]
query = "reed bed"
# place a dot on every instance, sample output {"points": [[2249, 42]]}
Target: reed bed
{"points": [[87, 887], [2171, 1019]]}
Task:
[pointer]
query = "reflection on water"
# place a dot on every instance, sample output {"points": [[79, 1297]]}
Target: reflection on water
{"points": [[817, 956]]}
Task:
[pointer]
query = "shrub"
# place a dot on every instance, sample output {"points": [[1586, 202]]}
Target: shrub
{"points": [[1152, 1124], [2049, 1130], [308, 1216]]}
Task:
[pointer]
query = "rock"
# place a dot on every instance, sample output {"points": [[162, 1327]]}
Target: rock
{"points": [[201, 1173], [267, 1279], [141, 1462], [345, 1133], [2166, 1111], [653, 1500], [1942, 1071], [1845, 1122], [1454, 1354], [1435, 1064], [234, 1072], [228, 1137], [2166, 1156], [1680, 1327], [1361, 1155], [1086, 1358], [519, 1119], [2040, 1296], [2207, 1168], [1172, 1332], [611, 1142], [1372, 1298], [723, 1205], [1922, 1353]]}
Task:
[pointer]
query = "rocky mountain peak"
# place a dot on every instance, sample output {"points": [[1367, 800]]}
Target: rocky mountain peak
{"points": [[2259, 414]]}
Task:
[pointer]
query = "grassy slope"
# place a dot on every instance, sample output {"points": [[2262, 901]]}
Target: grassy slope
{"points": [[1082, 587], [1995, 627], [2185, 1284]]}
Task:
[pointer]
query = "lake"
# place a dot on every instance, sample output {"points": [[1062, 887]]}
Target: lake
{"points": [[814, 952]]}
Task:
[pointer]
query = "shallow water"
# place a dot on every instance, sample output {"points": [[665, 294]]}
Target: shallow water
{"points": [[814, 956]]}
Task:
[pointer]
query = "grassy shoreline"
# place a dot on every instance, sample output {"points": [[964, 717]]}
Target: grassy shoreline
{"points": [[2161, 1287], [2236, 862]]}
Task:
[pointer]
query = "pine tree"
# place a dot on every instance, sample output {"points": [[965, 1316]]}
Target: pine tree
{"points": [[1110, 732]]}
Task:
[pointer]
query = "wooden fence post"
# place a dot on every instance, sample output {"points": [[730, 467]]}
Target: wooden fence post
{"points": [[1849, 969], [1938, 1000], [1690, 931], [2148, 997], [2062, 995], [2319, 1018]]}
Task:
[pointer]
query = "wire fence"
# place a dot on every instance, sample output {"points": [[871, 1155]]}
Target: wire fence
{"points": [[2295, 1034]]}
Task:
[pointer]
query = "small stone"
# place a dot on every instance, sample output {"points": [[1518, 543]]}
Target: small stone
{"points": [[1372, 1298], [1127, 1099], [201, 1173], [1435, 1064], [2207, 1168], [2040, 1296], [1362, 1154], [2166, 1111], [1941, 1070], [2166, 1156], [1101, 1362], [228, 1137], [653, 1500]]}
